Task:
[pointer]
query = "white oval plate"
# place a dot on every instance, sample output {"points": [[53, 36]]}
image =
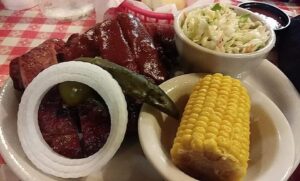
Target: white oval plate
{"points": [[129, 164], [272, 147], [273, 83]]}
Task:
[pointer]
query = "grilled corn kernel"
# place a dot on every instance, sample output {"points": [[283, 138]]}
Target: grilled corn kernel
{"points": [[213, 139]]}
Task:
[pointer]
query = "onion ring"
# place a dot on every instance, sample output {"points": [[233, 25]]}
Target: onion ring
{"points": [[35, 147]]}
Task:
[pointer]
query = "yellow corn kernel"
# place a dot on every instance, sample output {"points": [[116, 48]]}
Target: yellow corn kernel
{"points": [[215, 142]]}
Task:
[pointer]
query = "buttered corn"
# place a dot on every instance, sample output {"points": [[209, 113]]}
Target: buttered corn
{"points": [[212, 141]]}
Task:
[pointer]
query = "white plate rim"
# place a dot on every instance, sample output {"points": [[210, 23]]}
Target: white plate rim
{"points": [[271, 81]]}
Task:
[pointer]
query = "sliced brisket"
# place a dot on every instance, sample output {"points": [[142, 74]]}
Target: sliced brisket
{"points": [[24, 68]]}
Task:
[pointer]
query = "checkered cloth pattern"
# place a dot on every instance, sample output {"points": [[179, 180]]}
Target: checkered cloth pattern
{"points": [[22, 30]]}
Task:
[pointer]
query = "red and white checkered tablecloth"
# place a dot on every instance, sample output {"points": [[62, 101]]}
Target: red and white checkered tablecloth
{"points": [[22, 30]]}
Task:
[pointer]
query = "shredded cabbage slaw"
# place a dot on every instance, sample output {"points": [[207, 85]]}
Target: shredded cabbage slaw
{"points": [[219, 28]]}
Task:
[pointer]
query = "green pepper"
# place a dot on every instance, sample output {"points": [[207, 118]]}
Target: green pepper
{"points": [[74, 93], [136, 86], [216, 7]]}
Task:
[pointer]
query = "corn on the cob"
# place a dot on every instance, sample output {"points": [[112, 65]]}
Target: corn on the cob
{"points": [[212, 141]]}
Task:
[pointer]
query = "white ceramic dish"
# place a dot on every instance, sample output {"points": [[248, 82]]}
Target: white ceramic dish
{"points": [[202, 59], [272, 82], [129, 164], [272, 144]]}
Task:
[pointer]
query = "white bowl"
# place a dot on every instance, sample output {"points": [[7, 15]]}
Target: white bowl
{"points": [[207, 60], [272, 148]]}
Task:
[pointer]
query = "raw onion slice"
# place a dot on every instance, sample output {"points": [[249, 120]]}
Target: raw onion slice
{"points": [[35, 147]]}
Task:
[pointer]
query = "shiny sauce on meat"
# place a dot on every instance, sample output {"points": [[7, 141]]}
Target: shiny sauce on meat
{"points": [[73, 132]]}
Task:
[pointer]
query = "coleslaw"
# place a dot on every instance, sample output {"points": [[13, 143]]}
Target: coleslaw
{"points": [[220, 28]]}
